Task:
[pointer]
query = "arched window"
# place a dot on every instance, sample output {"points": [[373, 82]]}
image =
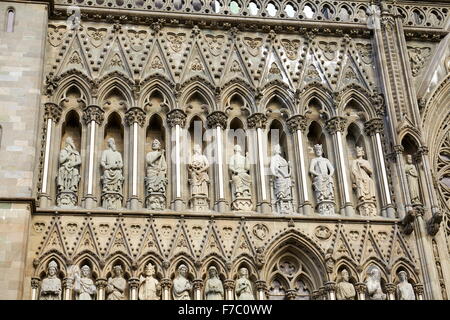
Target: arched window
{"points": [[10, 15]]}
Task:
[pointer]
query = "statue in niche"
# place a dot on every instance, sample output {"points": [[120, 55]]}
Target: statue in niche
{"points": [[363, 184], [239, 167], [51, 285], [68, 175], [181, 285], [413, 180], [244, 289], [373, 284], [199, 179], [280, 169], [116, 284], [405, 290], [156, 179], [213, 286], [84, 286], [149, 287], [112, 178], [322, 171], [344, 289]]}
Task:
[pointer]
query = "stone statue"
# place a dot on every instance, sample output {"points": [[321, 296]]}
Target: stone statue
{"points": [[199, 179], [322, 172], [51, 286], [156, 179], [374, 285], [344, 289], [213, 286], [112, 178], [116, 284], [413, 180], [149, 287], [244, 289], [361, 173], [280, 169], [239, 167], [68, 175], [84, 286], [405, 290], [181, 285]]}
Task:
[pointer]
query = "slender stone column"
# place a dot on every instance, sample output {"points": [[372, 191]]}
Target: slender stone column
{"points": [[101, 287], [197, 284], [93, 117], [258, 121], [330, 288], [335, 127], [361, 289], [297, 127], [261, 289], [374, 128], [218, 120], [135, 118], [418, 289], [134, 286], [176, 119], [35, 284], [229, 289], [390, 290], [166, 284], [67, 284], [52, 114]]}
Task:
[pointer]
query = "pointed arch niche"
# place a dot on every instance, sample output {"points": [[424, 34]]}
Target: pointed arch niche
{"points": [[412, 168]]}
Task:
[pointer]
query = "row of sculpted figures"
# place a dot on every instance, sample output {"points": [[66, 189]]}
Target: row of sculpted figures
{"points": [[80, 285]]}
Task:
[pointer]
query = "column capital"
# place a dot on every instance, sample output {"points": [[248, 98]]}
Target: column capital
{"points": [[257, 120], [291, 294], [217, 119], [360, 287], [135, 115], [35, 283], [330, 286], [67, 283], [297, 122], [133, 283], [398, 149], [176, 117], [197, 284], [390, 288], [418, 288], [373, 126], [228, 284], [322, 293], [336, 124], [52, 111], [422, 151], [93, 113], [315, 295], [166, 283], [261, 285], [101, 283]]}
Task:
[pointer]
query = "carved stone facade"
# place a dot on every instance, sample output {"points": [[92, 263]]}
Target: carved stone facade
{"points": [[180, 155]]}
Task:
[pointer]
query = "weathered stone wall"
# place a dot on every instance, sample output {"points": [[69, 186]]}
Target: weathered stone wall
{"points": [[21, 67]]}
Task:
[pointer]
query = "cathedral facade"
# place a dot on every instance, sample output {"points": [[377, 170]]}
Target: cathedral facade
{"points": [[227, 149]]}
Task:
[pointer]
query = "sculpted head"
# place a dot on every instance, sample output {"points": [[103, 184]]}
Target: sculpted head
{"points": [[402, 276], [85, 271], [277, 149], [52, 268], [345, 276], [243, 272], [197, 149], [156, 145], [69, 142], [149, 270], [237, 149], [409, 159], [112, 144], [374, 274], [318, 150], [182, 270], [360, 152], [118, 271], [212, 271]]}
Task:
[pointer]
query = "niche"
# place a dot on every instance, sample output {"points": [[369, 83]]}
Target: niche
{"points": [[71, 128], [155, 130], [354, 139], [236, 136], [276, 135], [114, 129], [196, 133], [316, 136]]}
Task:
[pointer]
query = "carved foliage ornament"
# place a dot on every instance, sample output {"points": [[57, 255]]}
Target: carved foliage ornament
{"points": [[322, 232], [336, 124], [52, 111], [56, 34], [291, 47], [297, 122], [260, 231], [365, 51], [176, 117], [215, 44], [93, 113], [374, 126], [253, 45], [176, 40], [329, 49], [257, 120], [137, 39], [135, 115], [217, 118], [96, 36], [417, 57]]}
